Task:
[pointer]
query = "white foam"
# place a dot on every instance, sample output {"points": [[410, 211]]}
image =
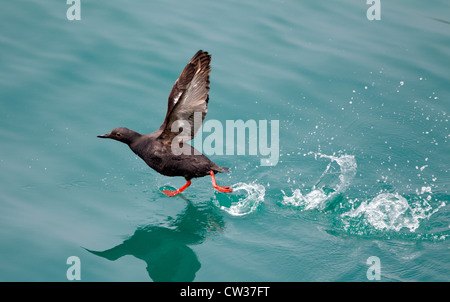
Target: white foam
{"points": [[317, 197], [246, 204], [312, 200], [392, 211]]}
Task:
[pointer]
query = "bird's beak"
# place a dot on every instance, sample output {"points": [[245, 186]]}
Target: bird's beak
{"points": [[104, 136]]}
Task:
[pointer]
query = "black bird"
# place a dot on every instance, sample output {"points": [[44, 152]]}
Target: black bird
{"points": [[165, 150]]}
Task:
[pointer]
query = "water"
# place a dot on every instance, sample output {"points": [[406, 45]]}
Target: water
{"points": [[364, 155]]}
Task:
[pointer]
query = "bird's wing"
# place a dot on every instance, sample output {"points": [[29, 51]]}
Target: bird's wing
{"points": [[188, 100]]}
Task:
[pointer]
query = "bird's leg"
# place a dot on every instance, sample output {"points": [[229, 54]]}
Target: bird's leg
{"points": [[221, 189], [173, 193]]}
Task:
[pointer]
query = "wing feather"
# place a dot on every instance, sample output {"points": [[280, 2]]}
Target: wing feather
{"points": [[188, 100]]}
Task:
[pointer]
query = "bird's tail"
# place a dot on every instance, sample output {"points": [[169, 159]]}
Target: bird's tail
{"points": [[218, 169]]}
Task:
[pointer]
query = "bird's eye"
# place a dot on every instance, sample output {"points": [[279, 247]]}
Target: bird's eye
{"points": [[118, 134]]}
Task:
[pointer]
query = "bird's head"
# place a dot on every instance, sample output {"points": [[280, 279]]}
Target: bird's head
{"points": [[121, 134]]}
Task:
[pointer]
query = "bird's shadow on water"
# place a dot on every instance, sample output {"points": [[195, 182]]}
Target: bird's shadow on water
{"points": [[166, 249]]}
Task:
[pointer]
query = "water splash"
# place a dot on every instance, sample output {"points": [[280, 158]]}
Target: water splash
{"points": [[392, 212], [384, 214], [245, 199], [329, 185]]}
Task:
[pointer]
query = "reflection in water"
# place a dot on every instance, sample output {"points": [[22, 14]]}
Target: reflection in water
{"points": [[165, 248]]}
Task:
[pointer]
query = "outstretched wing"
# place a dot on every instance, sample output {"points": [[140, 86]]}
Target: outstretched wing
{"points": [[188, 101]]}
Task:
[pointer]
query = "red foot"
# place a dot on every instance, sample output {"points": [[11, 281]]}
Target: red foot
{"points": [[170, 193], [219, 188], [173, 193]]}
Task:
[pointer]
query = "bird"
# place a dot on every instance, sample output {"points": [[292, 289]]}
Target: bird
{"points": [[165, 150]]}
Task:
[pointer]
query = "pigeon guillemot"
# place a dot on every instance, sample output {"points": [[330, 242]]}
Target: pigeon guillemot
{"points": [[188, 98]]}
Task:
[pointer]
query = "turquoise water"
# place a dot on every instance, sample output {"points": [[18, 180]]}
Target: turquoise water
{"points": [[363, 139]]}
